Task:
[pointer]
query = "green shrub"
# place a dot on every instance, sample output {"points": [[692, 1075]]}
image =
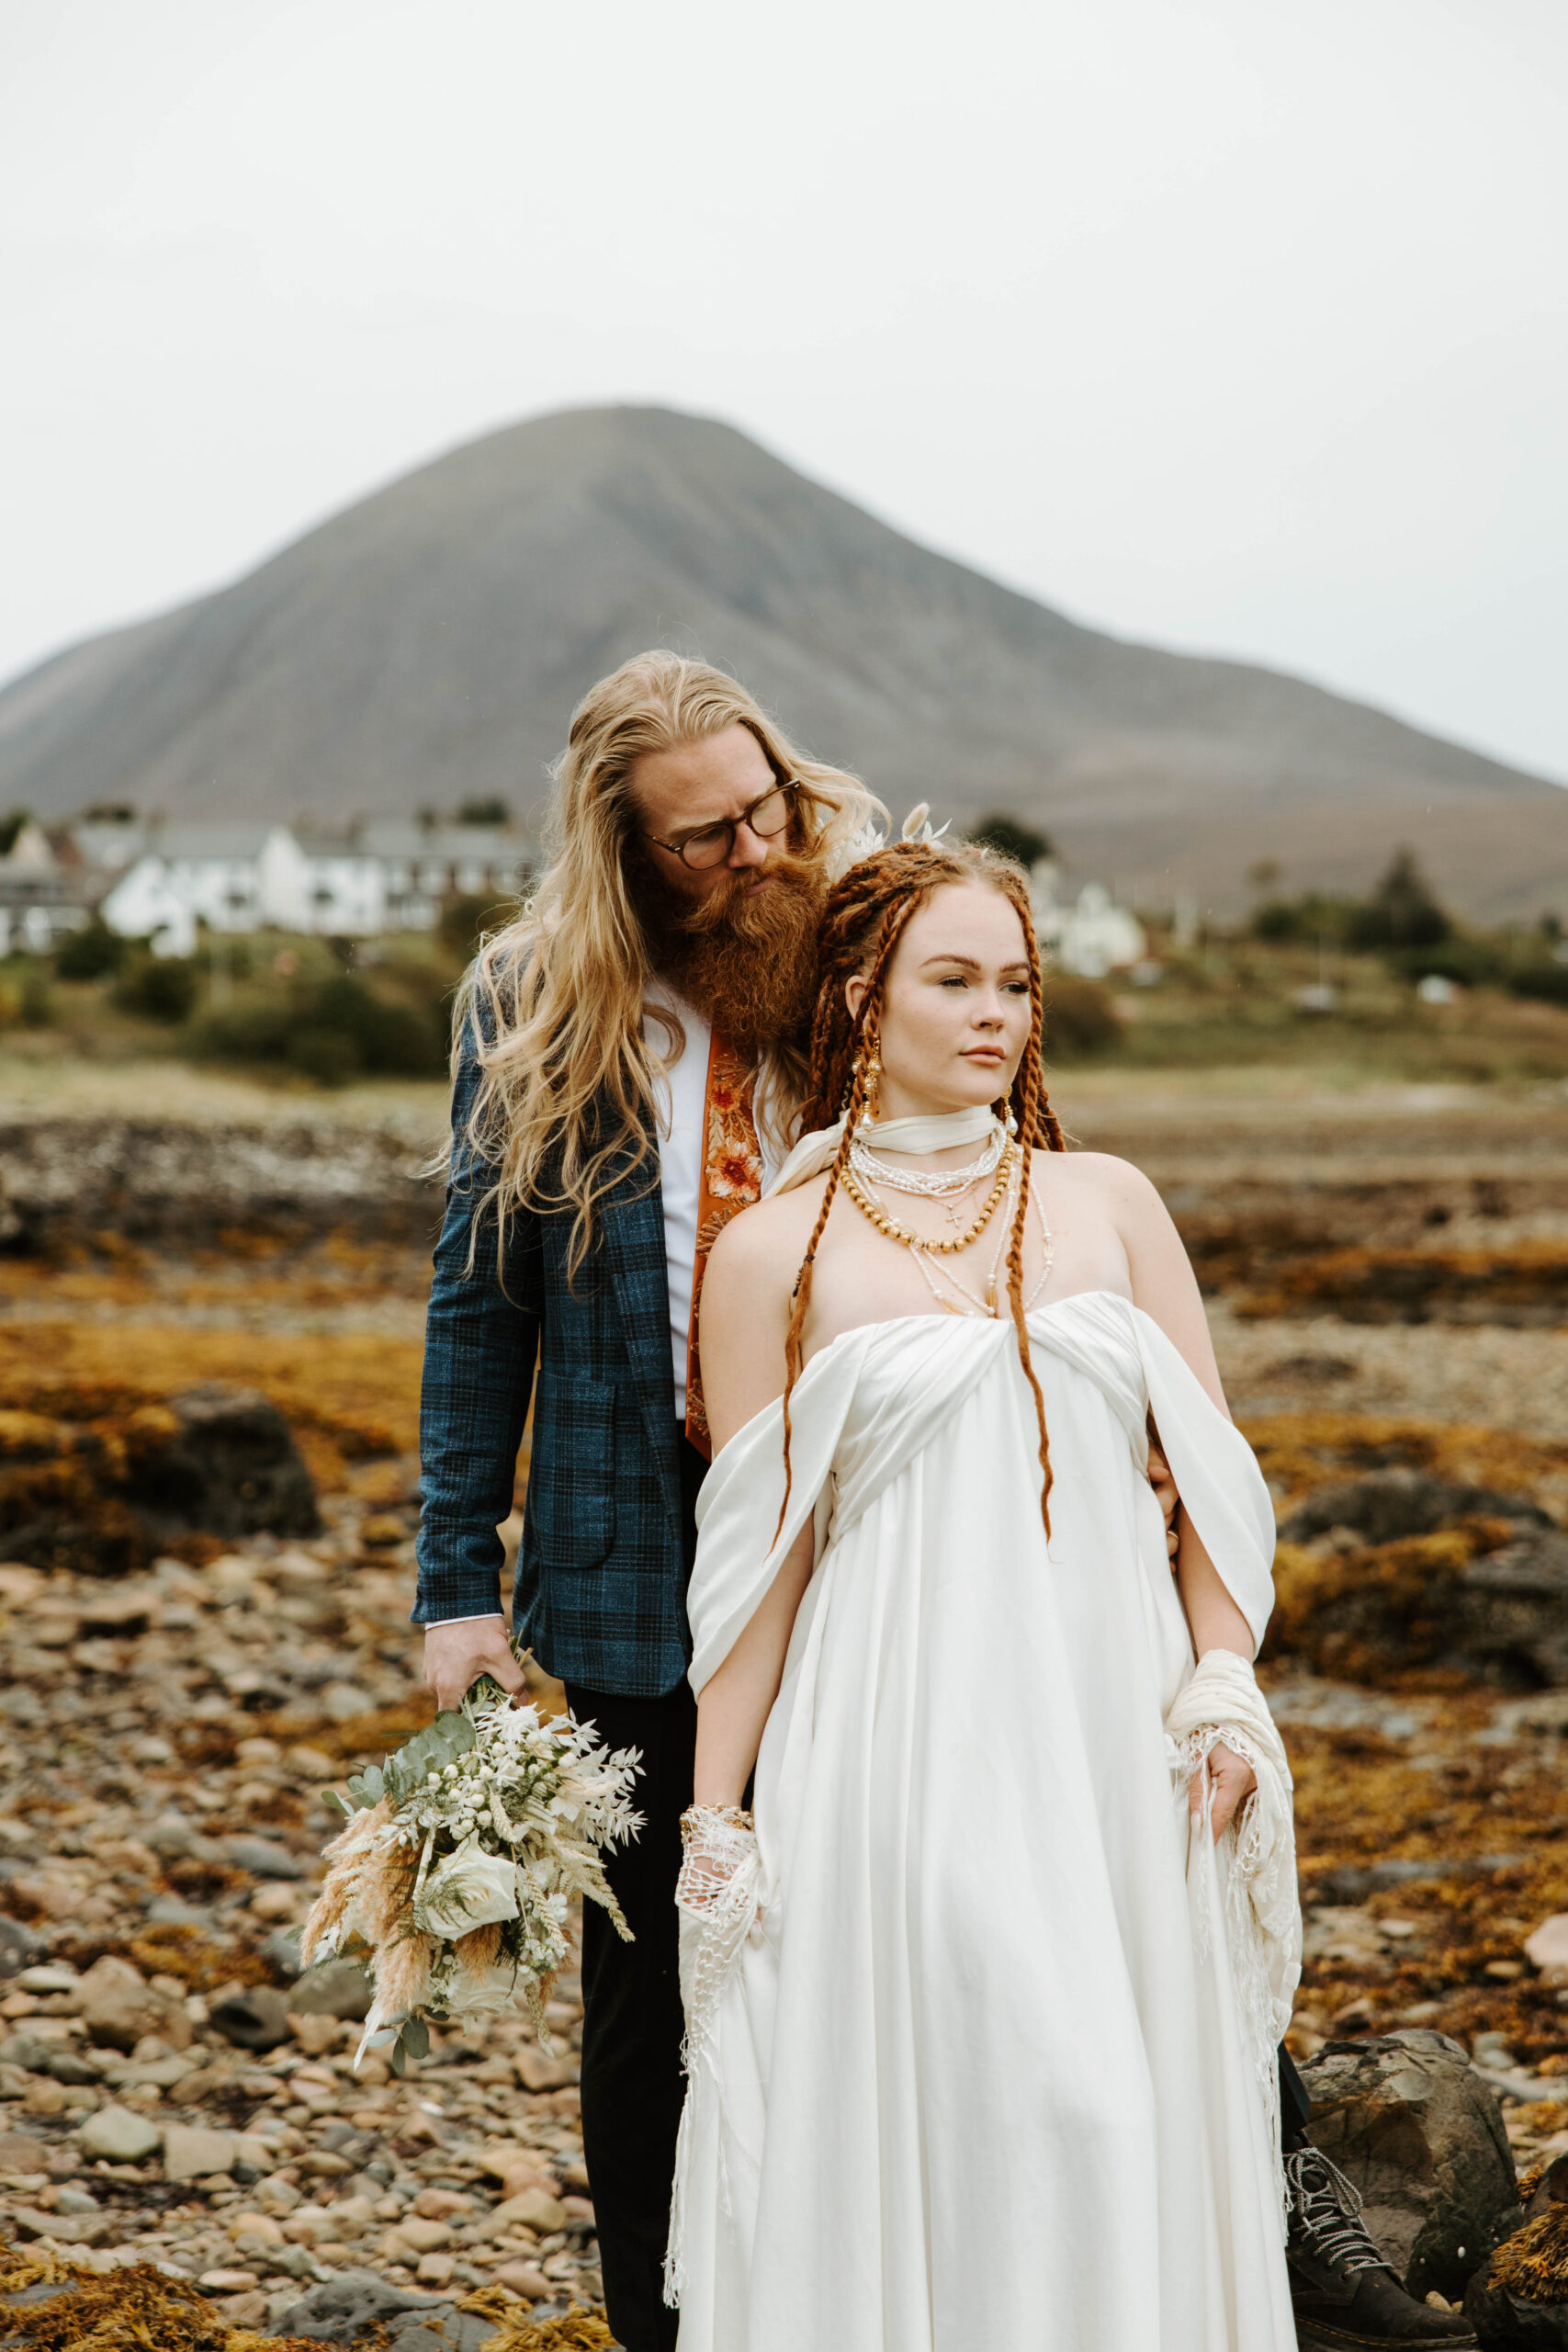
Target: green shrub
{"points": [[90, 954], [326, 1054], [1310, 918], [1080, 1017], [331, 1034], [160, 987], [1547, 983], [251, 1033], [390, 1040], [36, 1008], [465, 921], [1471, 962]]}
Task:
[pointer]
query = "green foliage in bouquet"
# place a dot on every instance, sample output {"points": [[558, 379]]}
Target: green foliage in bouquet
{"points": [[462, 1854]]}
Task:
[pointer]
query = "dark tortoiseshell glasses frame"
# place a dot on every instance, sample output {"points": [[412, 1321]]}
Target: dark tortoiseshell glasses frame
{"points": [[706, 847]]}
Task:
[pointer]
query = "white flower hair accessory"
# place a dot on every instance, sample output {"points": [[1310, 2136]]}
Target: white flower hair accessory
{"points": [[917, 827]]}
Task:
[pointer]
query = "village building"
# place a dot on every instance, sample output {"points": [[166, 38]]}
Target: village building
{"points": [[382, 873], [44, 894], [1093, 937], [225, 875]]}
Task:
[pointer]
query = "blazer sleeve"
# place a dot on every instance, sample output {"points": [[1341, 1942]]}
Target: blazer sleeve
{"points": [[481, 1342]]}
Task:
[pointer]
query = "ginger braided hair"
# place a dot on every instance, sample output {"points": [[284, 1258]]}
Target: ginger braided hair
{"points": [[862, 921]]}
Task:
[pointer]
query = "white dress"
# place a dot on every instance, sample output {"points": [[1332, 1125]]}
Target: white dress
{"points": [[979, 2081]]}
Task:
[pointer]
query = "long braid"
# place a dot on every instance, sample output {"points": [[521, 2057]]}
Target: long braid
{"points": [[862, 921], [865, 1031]]}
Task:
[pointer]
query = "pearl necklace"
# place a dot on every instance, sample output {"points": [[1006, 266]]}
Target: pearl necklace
{"points": [[925, 1184], [911, 1239]]}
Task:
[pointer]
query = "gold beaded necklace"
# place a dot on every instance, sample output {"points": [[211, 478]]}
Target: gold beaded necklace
{"points": [[906, 1234]]}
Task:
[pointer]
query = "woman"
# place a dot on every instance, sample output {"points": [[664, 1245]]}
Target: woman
{"points": [[982, 2006]]}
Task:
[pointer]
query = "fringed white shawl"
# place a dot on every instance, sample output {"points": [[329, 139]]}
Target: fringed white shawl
{"points": [[1255, 1858]]}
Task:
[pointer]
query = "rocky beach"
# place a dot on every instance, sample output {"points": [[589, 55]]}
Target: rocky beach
{"points": [[209, 1367]]}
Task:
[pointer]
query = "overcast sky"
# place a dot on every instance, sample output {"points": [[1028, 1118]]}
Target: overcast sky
{"points": [[1231, 324]]}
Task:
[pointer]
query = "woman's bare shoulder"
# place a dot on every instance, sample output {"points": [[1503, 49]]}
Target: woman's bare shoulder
{"points": [[1099, 1171], [769, 1233]]}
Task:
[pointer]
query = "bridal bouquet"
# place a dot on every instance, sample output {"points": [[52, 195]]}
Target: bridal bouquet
{"points": [[462, 1853]]}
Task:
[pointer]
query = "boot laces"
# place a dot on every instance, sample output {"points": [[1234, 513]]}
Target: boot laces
{"points": [[1326, 2208]]}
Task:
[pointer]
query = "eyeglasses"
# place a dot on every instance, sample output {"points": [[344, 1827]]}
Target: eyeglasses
{"points": [[768, 816]]}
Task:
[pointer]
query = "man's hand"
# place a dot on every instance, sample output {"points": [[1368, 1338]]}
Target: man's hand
{"points": [[455, 1656], [1233, 1780], [1169, 1500]]}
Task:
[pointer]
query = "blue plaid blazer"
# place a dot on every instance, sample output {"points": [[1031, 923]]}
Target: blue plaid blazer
{"points": [[600, 1576]]}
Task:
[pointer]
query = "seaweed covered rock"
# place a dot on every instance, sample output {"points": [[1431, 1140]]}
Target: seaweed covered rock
{"points": [[224, 1460], [1403, 1570], [1387, 1504], [101, 1494], [1406, 2118], [1517, 2301]]}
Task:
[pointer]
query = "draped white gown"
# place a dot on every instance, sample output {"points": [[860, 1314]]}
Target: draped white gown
{"points": [[979, 2081]]}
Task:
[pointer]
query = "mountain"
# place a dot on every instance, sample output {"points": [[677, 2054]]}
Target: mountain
{"points": [[428, 645]]}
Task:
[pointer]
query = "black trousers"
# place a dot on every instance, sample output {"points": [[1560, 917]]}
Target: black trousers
{"points": [[632, 2023]]}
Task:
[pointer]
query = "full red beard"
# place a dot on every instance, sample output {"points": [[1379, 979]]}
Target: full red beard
{"points": [[744, 958]]}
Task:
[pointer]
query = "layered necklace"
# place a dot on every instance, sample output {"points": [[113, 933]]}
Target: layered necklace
{"points": [[948, 1186], [999, 1160]]}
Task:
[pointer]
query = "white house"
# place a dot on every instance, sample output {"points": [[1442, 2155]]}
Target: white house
{"points": [[425, 865], [229, 876], [387, 874], [41, 898], [1092, 938]]}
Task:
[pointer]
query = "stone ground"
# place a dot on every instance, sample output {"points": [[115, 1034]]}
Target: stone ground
{"points": [[157, 1839], [166, 2093]]}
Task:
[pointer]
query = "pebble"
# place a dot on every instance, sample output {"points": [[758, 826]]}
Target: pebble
{"points": [[192, 2151], [229, 2139], [120, 2137]]}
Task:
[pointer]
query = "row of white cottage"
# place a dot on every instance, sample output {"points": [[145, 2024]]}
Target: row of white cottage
{"points": [[166, 883], [392, 874]]}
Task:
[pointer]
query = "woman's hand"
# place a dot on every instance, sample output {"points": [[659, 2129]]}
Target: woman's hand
{"points": [[456, 1654], [1233, 1780]]}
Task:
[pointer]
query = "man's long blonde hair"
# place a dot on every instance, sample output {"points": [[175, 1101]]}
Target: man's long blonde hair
{"points": [[566, 1101]]}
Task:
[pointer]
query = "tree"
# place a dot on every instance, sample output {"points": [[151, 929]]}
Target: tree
{"points": [[1014, 837], [493, 811], [1402, 911]]}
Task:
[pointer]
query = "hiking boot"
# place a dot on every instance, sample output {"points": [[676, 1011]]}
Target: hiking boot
{"points": [[1345, 2296]]}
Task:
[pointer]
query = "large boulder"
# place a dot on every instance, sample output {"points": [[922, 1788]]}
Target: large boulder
{"points": [[1401, 1568], [1408, 2121], [98, 1492], [224, 1460], [1387, 1504], [1517, 2300]]}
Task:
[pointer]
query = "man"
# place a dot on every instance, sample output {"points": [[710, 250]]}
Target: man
{"points": [[604, 1122], [629, 1049]]}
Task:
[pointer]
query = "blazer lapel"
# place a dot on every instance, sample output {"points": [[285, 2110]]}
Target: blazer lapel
{"points": [[633, 1226]]}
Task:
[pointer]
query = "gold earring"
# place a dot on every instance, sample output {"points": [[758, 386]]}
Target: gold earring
{"points": [[872, 1072]]}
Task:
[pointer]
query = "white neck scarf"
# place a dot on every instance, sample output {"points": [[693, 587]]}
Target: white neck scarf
{"points": [[939, 1131]]}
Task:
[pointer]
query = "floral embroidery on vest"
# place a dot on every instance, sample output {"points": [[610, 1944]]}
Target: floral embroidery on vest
{"points": [[731, 1180]]}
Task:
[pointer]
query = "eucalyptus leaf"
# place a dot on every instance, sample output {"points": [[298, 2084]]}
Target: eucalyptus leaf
{"points": [[432, 1749], [400, 2059], [416, 2038]]}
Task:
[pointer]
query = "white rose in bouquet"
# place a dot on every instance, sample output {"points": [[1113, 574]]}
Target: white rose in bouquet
{"points": [[469, 1889]]}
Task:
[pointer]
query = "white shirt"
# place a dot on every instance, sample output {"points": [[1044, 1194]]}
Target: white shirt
{"points": [[680, 1101]]}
